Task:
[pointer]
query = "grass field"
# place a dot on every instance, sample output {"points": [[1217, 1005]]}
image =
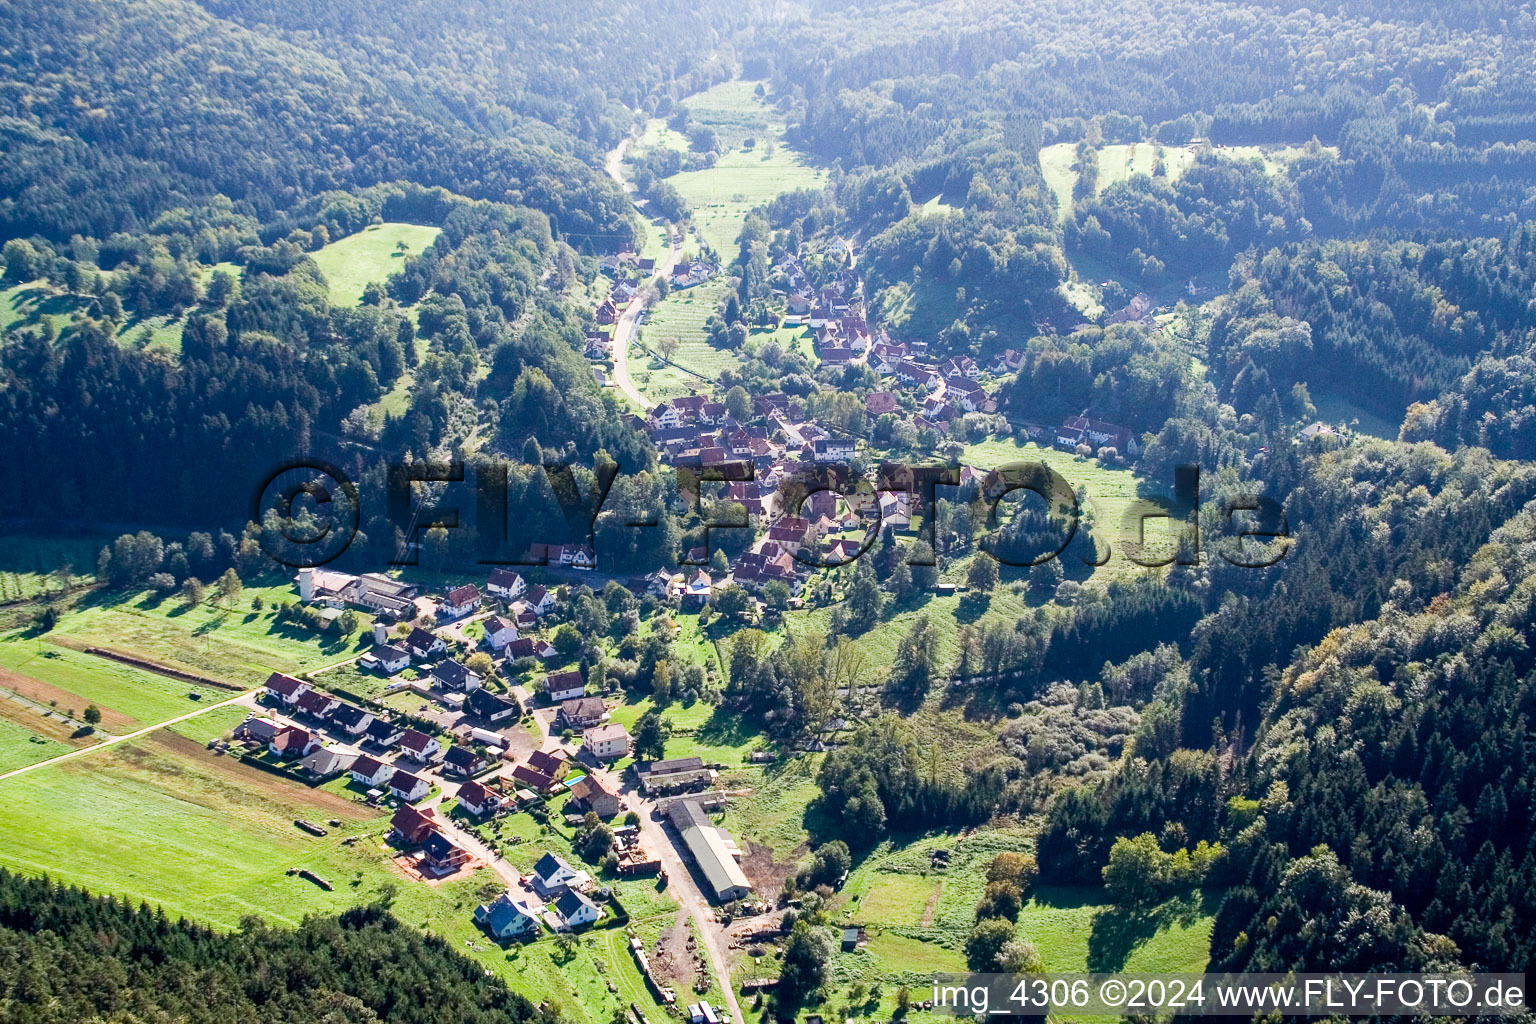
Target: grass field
{"points": [[20, 746], [31, 303], [351, 264], [1119, 161], [699, 730], [681, 315], [742, 178], [1332, 408], [238, 646], [1112, 495]]}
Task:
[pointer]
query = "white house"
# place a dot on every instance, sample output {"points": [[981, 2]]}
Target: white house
{"points": [[371, 772], [575, 910], [453, 675], [505, 584], [388, 659], [552, 875], [354, 720], [421, 747], [286, 688], [408, 787], [292, 741], [567, 685], [506, 917], [478, 799], [606, 742], [499, 632], [424, 644], [539, 600], [459, 602]]}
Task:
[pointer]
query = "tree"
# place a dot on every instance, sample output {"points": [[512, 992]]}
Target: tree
{"points": [[567, 641], [1137, 871], [982, 574], [481, 665], [1018, 868], [731, 602], [651, 733], [667, 347], [830, 862], [738, 403], [1001, 899], [719, 561], [984, 944], [193, 591], [806, 957], [347, 623], [1019, 956], [863, 599], [229, 589], [916, 657], [92, 715]]}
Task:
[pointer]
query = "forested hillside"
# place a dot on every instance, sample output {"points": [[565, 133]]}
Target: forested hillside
{"points": [[72, 956], [116, 113]]}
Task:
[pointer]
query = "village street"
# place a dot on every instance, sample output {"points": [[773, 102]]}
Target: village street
{"points": [[624, 328]]}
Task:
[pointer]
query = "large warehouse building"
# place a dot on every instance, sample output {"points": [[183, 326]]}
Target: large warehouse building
{"points": [[713, 849]]}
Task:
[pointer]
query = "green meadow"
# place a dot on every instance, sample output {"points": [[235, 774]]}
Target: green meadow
{"points": [[351, 264]]}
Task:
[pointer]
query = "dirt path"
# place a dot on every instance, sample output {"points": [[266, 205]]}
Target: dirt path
{"points": [[113, 741], [682, 887]]}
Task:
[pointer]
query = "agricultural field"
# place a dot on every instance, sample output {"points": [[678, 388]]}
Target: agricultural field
{"points": [[351, 264], [681, 315], [742, 177], [20, 746]]}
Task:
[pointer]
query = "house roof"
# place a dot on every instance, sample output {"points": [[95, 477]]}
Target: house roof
{"points": [[532, 777], [590, 787], [504, 578], [605, 733], [550, 865], [439, 846], [467, 594], [676, 764], [462, 757], [315, 702], [381, 729], [350, 716], [495, 624], [583, 708], [487, 704], [284, 684], [421, 638], [452, 672], [388, 652], [544, 762], [368, 767], [475, 793], [409, 821], [414, 740], [570, 679], [571, 903], [405, 780]]}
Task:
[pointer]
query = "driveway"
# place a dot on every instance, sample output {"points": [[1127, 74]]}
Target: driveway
{"points": [[680, 884]]}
